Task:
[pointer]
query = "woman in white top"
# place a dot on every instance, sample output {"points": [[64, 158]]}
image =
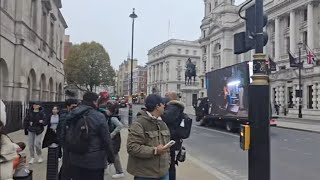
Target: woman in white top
{"points": [[51, 141]]}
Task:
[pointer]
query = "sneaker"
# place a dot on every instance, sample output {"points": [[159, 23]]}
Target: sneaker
{"points": [[40, 160], [117, 176], [31, 161]]}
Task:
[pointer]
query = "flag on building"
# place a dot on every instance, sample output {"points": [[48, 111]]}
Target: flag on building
{"points": [[271, 64], [311, 57], [293, 60]]}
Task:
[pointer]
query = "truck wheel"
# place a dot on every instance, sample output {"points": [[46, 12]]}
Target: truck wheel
{"points": [[229, 126]]}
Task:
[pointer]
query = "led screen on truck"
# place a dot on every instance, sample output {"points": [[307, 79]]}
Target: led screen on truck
{"points": [[227, 90]]}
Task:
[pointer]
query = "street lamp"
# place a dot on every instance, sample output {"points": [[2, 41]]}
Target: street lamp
{"points": [[300, 44], [133, 16]]}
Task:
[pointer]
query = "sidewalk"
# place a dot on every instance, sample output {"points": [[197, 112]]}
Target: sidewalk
{"points": [[189, 170], [288, 122], [311, 125]]}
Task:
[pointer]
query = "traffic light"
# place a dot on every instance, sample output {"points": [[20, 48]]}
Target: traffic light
{"points": [[245, 41]]}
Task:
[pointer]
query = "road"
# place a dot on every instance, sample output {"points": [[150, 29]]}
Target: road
{"points": [[294, 154]]}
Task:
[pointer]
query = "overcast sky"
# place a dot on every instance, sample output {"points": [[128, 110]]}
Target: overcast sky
{"points": [[108, 22]]}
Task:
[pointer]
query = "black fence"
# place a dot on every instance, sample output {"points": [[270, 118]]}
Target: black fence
{"points": [[16, 112]]}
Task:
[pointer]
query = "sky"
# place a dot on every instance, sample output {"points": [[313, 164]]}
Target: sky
{"points": [[108, 22]]}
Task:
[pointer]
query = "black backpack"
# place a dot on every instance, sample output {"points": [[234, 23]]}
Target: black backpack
{"points": [[77, 135], [183, 131]]}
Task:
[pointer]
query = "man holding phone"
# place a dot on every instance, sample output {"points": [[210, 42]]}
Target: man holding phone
{"points": [[148, 143]]}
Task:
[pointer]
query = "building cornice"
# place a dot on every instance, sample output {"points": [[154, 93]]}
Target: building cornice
{"points": [[61, 18], [174, 42], [163, 58]]}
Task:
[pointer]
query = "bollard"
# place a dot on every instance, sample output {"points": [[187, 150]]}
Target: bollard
{"points": [[53, 163]]}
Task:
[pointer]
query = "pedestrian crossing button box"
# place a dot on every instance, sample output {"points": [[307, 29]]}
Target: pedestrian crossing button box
{"points": [[245, 137]]}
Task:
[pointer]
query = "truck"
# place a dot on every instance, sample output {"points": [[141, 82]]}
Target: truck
{"points": [[226, 103]]}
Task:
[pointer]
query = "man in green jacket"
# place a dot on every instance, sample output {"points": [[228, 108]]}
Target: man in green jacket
{"points": [[148, 158]]}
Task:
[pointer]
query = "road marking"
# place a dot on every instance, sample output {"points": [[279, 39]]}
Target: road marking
{"points": [[209, 169], [213, 130]]}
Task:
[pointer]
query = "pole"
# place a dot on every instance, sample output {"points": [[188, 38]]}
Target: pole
{"points": [[259, 111], [300, 89], [133, 16]]}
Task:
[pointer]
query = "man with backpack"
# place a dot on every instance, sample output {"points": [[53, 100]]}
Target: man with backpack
{"points": [[88, 140], [179, 125], [65, 171]]}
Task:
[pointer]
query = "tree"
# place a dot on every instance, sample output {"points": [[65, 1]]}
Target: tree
{"points": [[88, 65]]}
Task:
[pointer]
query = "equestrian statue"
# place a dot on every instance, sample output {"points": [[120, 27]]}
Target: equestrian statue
{"points": [[190, 72]]}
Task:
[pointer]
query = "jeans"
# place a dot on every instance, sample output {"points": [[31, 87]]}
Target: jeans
{"points": [[35, 142], [117, 164], [165, 177]]}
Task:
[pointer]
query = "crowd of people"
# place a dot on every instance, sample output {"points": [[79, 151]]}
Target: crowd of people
{"points": [[86, 136]]}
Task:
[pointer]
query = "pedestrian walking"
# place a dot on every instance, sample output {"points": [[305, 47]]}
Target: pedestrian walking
{"points": [[8, 149], [115, 127], [88, 140], [51, 142], [172, 117], [65, 170], [148, 156], [34, 124]]}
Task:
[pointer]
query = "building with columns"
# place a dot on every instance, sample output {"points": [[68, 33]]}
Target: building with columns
{"points": [[166, 68], [31, 50], [289, 22]]}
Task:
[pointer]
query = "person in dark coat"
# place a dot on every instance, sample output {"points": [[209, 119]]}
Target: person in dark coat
{"points": [[91, 164], [65, 170], [173, 110], [34, 124]]}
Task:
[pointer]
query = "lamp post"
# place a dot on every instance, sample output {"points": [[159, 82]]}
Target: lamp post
{"points": [[300, 44], [133, 16]]}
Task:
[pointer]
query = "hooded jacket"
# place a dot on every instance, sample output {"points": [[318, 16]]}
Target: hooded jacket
{"points": [[100, 146], [172, 112], [34, 118], [144, 135]]}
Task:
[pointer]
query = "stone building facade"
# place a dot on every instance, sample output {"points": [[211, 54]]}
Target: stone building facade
{"points": [[123, 76], [31, 50], [289, 22], [166, 68]]}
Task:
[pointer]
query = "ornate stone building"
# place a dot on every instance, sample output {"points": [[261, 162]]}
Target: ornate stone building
{"points": [[31, 50], [289, 22], [166, 68]]}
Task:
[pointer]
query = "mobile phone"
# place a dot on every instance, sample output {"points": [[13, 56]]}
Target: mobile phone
{"points": [[169, 144]]}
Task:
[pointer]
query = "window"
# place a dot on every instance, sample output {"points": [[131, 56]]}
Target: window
{"points": [[187, 51], [5, 5], [205, 66], [202, 83], [195, 52], [179, 51], [205, 50], [210, 7], [288, 21], [179, 62], [33, 15], [44, 29], [215, 3], [178, 86], [305, 14], [202, 94], [287, 43], [51, 34], [305, 38], [273, 49], [204, 33]]}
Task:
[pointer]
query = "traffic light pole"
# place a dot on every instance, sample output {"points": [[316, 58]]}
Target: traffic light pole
{"points": [[259, 152]]}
